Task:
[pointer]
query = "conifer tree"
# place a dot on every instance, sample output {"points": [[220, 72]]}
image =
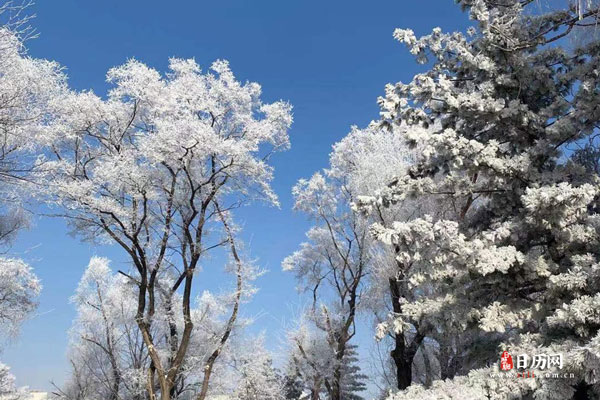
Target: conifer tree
{"points": [[516, 264]]}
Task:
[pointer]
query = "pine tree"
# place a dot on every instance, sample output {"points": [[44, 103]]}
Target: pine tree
{"points": [[353, 381], [313, 365], [518, 262], [292, 384]]}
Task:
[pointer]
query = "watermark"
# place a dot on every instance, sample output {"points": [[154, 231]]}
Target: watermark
{"points": [[537, 366], [538, 361], [506, 361], [532, 375]]}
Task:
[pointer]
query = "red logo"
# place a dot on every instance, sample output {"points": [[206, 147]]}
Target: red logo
{"points": [[506, 362]]}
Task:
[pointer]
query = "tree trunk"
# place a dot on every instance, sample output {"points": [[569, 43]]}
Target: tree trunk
{"points": [[336, 392], [402, 354], [444, 357], [403, 366], [314, 395], [428, 369], [315, 390], [336, 385]]}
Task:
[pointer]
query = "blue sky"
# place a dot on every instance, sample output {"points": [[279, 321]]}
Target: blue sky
{"points": [[329, 59]]}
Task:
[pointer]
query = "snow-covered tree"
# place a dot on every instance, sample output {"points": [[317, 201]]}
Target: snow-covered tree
{"points": [[331, 265], [19, 76], [110, 359], [106, 349], [27, 85], [311, 360], [314, 363], [516, 262], [334, 263], [340, 264], [353, 379], [156, 168], [258, 379], [8, 390], [19, 289], [292, 382]]}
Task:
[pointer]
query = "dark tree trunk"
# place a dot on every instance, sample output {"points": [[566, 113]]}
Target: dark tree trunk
{"points": [[402, 354], [581, 391], [336, 389], [403, 366]]}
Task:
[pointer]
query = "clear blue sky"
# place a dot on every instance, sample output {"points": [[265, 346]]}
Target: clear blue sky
{"points": [[329, 58]]}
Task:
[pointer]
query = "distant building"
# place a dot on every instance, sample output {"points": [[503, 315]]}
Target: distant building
{"points": [[37, 395]]}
